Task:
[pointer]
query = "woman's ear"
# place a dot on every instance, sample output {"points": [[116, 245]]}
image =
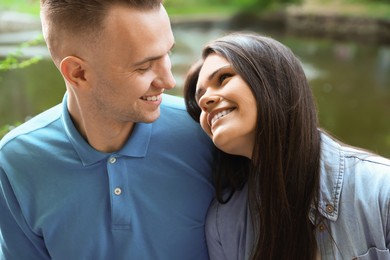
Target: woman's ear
{"points": [[73, 70]]}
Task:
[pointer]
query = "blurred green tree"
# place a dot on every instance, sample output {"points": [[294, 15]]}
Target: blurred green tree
{"points": [[15, 60]]}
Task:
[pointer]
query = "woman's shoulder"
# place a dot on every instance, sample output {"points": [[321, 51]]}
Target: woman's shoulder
{"points": [[351, 174], [353, 162]]}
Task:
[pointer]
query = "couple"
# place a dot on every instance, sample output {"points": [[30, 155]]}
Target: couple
{"points": [[115, 172]]}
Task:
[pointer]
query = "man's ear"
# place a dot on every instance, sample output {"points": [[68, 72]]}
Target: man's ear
{"points": [[73, 70]]}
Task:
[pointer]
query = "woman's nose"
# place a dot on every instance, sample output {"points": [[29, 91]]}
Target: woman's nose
{"points": [[207, 102]]}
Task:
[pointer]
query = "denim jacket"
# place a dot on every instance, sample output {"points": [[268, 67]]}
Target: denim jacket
{"points": [[354, 203], [353, 206]]}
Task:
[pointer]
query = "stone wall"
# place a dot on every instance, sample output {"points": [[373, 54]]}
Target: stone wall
{"points": [[298, 23], [339, 27], [370, 30], [15, 22]]}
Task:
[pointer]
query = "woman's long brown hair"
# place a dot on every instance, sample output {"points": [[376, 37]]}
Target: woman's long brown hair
{"points": [[283, 175]]}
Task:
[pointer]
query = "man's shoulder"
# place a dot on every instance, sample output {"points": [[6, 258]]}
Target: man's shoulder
{"points": [[173, 102], [173, 111], [34, 124], [176, 121]]}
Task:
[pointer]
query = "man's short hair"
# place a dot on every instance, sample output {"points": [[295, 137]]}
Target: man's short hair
{"points": [[81, 19]]}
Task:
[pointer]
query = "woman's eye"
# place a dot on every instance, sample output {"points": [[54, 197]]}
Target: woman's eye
{"points": [[198, 94], [224, 77]]}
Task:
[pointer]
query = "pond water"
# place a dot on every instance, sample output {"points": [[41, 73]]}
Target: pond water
{"points": [[351, 83]]}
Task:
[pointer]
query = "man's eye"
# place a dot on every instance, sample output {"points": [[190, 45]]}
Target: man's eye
{"points": [[144, 69]]}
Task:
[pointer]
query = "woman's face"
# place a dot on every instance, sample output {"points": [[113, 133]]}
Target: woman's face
{"points": [[228, 105]]}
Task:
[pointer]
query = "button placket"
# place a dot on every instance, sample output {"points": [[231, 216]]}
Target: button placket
{"points": [[115, 177], [112, 160], [117, 191], [119, 200]]}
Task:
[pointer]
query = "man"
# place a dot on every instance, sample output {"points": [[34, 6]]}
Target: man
{"points": [[113, 172]]}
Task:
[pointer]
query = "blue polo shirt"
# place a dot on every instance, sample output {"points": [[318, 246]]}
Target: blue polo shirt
{"points": [[62, 199]]}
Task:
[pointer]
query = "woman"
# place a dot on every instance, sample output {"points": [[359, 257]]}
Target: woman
{"points": [[285, 189]]}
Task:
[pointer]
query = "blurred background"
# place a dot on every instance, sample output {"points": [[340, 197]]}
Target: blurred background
{"points": [[344, 46]]}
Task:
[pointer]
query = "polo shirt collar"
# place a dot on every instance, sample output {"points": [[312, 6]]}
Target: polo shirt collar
{"points": [[136, 145]]}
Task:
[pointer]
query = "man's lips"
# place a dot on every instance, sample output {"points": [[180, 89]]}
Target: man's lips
{"points": [[152, 97]]}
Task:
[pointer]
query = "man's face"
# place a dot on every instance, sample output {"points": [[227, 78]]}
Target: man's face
{"points": [[129, 67]]}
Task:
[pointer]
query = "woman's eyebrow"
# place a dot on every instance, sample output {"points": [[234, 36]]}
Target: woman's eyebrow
{"points": [[209, 78], [212, 75]]}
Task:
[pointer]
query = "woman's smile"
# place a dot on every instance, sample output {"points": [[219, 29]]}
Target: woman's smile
{"points": [[228, 105], [217, 115]]}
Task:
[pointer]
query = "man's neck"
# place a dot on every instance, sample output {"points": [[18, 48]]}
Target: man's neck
{"points": [[102, 134]]}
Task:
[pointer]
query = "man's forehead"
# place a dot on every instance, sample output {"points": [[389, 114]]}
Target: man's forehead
{"points": [[140, 35]]}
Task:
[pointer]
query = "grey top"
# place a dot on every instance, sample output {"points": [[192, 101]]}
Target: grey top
{"points": [[354, 204], [229, 228]]}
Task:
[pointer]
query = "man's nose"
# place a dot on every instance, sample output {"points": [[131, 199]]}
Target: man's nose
{"points": [[165, 77]]}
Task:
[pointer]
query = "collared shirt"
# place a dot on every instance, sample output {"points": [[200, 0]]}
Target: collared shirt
{"points": [[354, 204], [62, 199]]}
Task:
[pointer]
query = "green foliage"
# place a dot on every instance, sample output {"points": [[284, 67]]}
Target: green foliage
{"points": [[269, 3], [368, 1], [222, 6], [175, 7], [380, 10], [24, 6], [15, 60], [5, 129]]}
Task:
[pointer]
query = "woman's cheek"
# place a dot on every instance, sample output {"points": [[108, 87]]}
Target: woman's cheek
{"points": [[203, 123]]}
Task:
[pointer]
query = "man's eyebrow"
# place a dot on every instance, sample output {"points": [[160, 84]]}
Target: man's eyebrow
{"points": [[152, 58]]}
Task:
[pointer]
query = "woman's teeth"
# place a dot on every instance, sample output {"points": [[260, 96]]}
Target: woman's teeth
{"points": [[220, 114]]}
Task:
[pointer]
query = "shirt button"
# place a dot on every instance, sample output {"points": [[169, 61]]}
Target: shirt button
{"points": [[329, 208], [321, 227], [112, 160], [118, 191]]}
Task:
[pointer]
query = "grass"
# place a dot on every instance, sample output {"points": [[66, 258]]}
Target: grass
{"points": [[364, 8], [379, 10], [174, 7], [348, 7], [207, 10], [23, 6]]}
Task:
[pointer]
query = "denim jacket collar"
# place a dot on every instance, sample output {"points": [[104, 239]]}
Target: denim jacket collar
{"points": [[331, 179]]}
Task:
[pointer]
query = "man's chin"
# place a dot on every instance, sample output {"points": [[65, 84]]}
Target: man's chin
{"points": [[151, 118]]}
